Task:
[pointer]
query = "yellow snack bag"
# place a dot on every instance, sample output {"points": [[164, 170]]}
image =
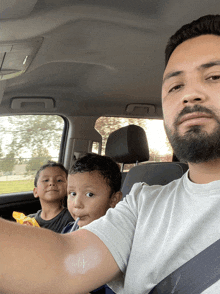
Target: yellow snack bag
{"points": [[23, 219]]}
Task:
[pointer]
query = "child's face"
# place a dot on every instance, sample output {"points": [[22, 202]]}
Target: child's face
{"points": [[88, 196], [51, 185]]}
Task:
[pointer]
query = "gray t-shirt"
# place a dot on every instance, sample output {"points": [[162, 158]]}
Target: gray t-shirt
{"points": [[156, 229], [55, 224]]}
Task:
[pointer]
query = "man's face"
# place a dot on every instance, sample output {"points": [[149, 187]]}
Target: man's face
{"points": [[191, 99]]}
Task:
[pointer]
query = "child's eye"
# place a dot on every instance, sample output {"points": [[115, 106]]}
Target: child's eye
{"points": [[59, 180], [89, 194], [72, 194], [45, 180]]}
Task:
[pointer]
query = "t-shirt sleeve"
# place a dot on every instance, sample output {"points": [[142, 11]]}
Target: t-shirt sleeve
{"points": [[116, 229]]}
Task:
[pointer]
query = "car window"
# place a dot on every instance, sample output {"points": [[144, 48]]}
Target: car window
{"points": [[159, 146], [26, 143]]}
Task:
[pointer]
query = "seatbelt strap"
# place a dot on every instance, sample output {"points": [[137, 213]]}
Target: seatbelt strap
{"points": [[196, 275]]}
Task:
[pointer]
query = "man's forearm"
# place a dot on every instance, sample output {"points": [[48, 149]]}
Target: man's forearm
{"points": [[25, 254], [40, 261]]}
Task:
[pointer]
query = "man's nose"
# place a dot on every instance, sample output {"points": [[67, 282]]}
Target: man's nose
{"points": [[192, 100], [194, 94]]}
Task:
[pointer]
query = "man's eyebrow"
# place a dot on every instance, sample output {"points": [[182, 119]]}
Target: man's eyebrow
{"points": [[202, 66], [209, 64], [172, 74]]}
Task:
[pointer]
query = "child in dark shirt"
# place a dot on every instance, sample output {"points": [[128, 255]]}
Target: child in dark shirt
{"points": [[94, 183], [51, 188]]}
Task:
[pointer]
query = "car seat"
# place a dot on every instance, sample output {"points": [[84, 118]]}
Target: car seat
{"points": [[153, 173], [129, 145]]}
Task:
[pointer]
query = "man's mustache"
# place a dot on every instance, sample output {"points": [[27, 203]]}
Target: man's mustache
{"points": [[196, 108]]}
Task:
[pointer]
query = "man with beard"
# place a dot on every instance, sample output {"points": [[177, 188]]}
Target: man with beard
{"points": [[156, 229]]}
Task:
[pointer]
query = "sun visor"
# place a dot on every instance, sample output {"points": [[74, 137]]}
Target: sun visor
{"points": [[16, 57]]}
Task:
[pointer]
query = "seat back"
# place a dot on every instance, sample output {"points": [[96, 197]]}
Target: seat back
{"points": [[153, 173], [129, 145]]}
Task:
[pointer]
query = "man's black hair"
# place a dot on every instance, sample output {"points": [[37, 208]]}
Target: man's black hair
{"points": [[49, 164], [105, 165], [205, 25]]}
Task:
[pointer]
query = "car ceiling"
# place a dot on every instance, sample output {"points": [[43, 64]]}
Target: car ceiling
{"points": [[94, 57]]}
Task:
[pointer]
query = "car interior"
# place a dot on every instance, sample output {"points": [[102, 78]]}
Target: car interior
{"points": [[79, 61]]}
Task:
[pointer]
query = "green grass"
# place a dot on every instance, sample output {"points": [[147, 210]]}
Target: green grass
{"points": [[16, 186]]}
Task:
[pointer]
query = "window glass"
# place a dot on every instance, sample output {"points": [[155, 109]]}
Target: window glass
{"points": [[26, 143], [96, 147], [159, 146]]}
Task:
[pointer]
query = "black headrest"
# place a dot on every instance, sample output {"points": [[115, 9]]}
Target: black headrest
{"points": [[128, 145]]}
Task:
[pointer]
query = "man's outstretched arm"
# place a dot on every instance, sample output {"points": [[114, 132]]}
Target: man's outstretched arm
{"points": [[36, 260]]}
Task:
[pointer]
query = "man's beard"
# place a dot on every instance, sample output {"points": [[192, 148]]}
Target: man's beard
{"points": [[196, 145]]}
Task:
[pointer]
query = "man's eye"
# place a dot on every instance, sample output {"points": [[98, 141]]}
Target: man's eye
{"points": [[177, 87], [89, 194], [213, 78], [72, 194]]}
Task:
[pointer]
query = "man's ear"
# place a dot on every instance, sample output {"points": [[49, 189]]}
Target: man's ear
{"points": [[116, 197], [35, 192]]}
